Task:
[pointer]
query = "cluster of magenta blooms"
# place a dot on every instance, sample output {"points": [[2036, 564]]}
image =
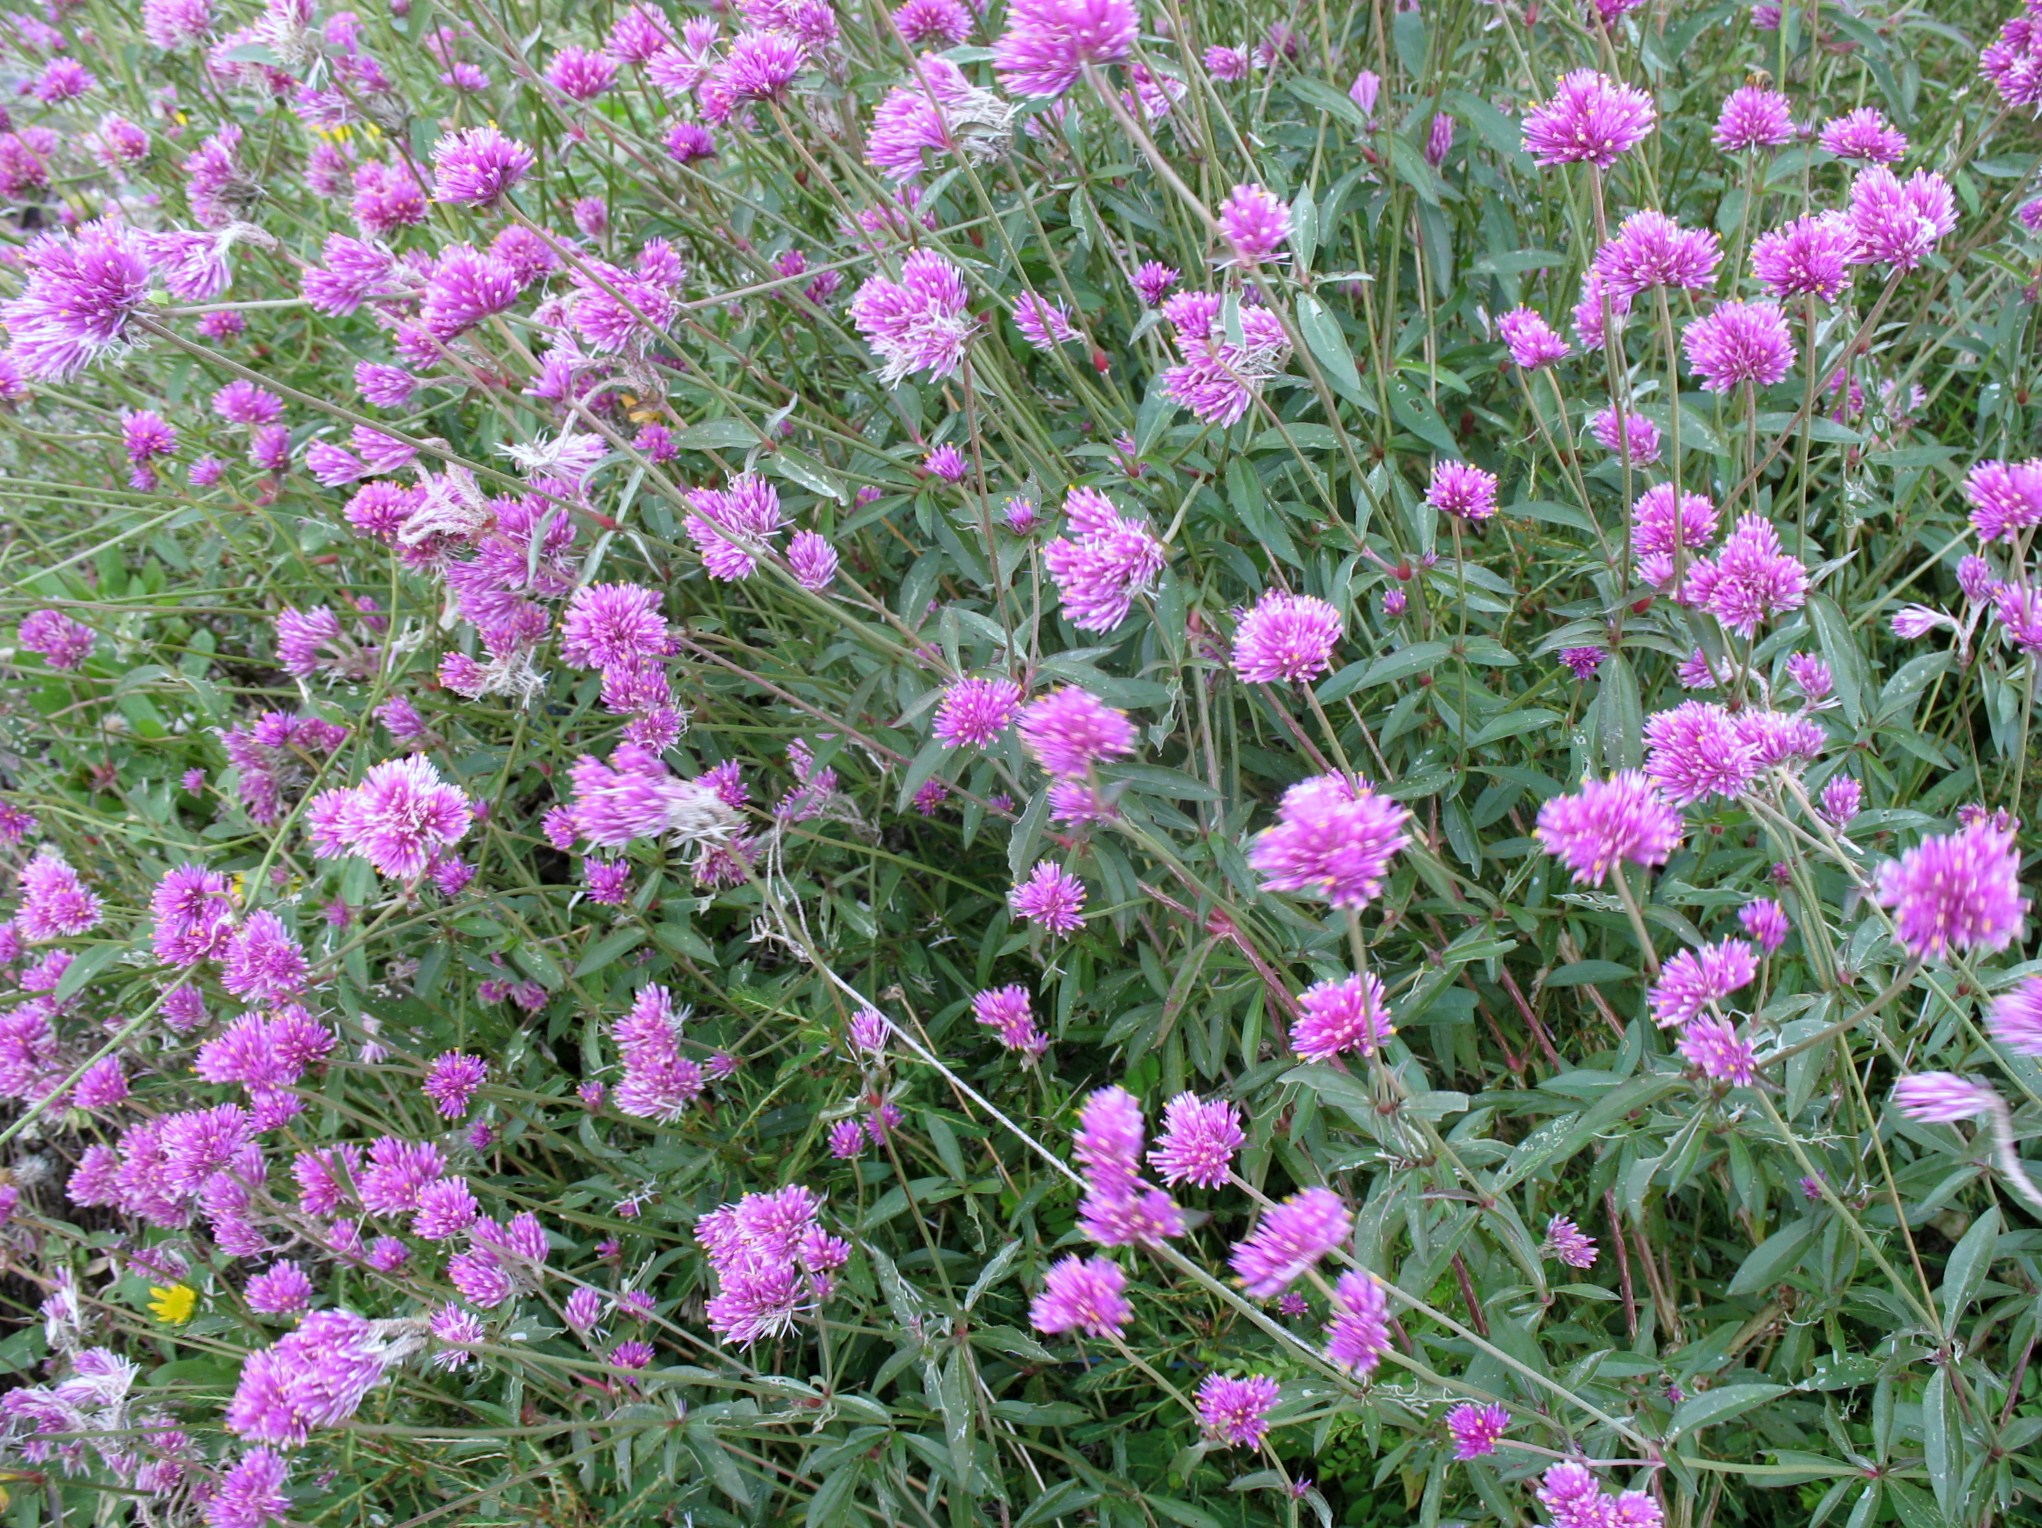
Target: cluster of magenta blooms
{"points": [[240, 987]]}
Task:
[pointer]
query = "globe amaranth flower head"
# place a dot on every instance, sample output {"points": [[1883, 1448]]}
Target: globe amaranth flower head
{"points": [[1752, 579], [1285, 638], [1765, 921], [1048, 43], [1532, 341], [1693, 980], [1118, 1209], [1864, 134], [1289, 1241], [1631, 437], [1739, 344], [1199, 1139], [1081, 1294], [58, 640], [1475, 1429], [1359, 1333], [399, 818], [1754, 117], [1607, 822], [55, 903], [2014, 1017], [1334, 838], [1462, 489], [1811, 256], [2005, 498], [476, 165], [1236, 1411], [919, 323], [1104, 561], [974, 712], [1009, 1014], [1070, 729], [2012, 61], [1943, 1098], [1713, 1046], [1254, 222], [1346, 1016], [1567, 1242], [1591, 119], [1958, 892], [1899, 223], [1651, 250], [1219, 380], [1052, 898], [83, 293]]}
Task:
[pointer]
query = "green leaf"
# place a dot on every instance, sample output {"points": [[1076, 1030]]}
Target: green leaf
{"points": [[608, 949], [1329, 347], [1720, 1405], [1833, 633], [1769, 1261], [1968, 1266]]}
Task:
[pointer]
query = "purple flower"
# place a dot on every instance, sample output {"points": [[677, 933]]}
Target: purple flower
{"points": [[1766, 921], [1864, 134], [974, 712], [445, 1208], [251, 1494], [280, 1290], [1044, 323], [1897, 223], [451, 1081], [1457, 488], [1219, 379], [1712, 1045], [945, 23], [1051, 897], [477, 165], [1631, 436], [1475, 1429], [1349, 1016], [1229, 66], [1082, 1294], [54, 902], [2018, 610], [1334, 838], [1118, 1209], [771, 1261], [812, 560], [1439, 139], [1199, 1139], [1008, 1013], [2013, 61], [1809, 256], [612, 626], [1589, 318], [847, 1139], [1695, 979], [581, 74], [61, 642], [466, 286], [919, 323], [1840, 800], [1285, 638], [1754, 117], [263, 963], [1153, 281], [399, 818], [1652, 250], [1566, 1241], [1236, 1410], [2015, 1018], [1961, 891], [1254, 223], [730, 525], [939, 113], [1069, 730], [1591, 119], [1752, 580], [1739, 344], [659, 1083], [1048, 42], [1608, 822], [1532, 341], [316, 1377], [1103, 563], [1811, 674], [1290, 1240], [1365, 91], [1943, 1098], [1359, 1333], [83, 289]]}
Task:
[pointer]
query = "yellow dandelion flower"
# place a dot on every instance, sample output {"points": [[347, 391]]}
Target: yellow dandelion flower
{"points": [[172, 1306]]}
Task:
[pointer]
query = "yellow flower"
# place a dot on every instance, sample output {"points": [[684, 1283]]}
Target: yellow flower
{"points": [[173, 1306]]}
